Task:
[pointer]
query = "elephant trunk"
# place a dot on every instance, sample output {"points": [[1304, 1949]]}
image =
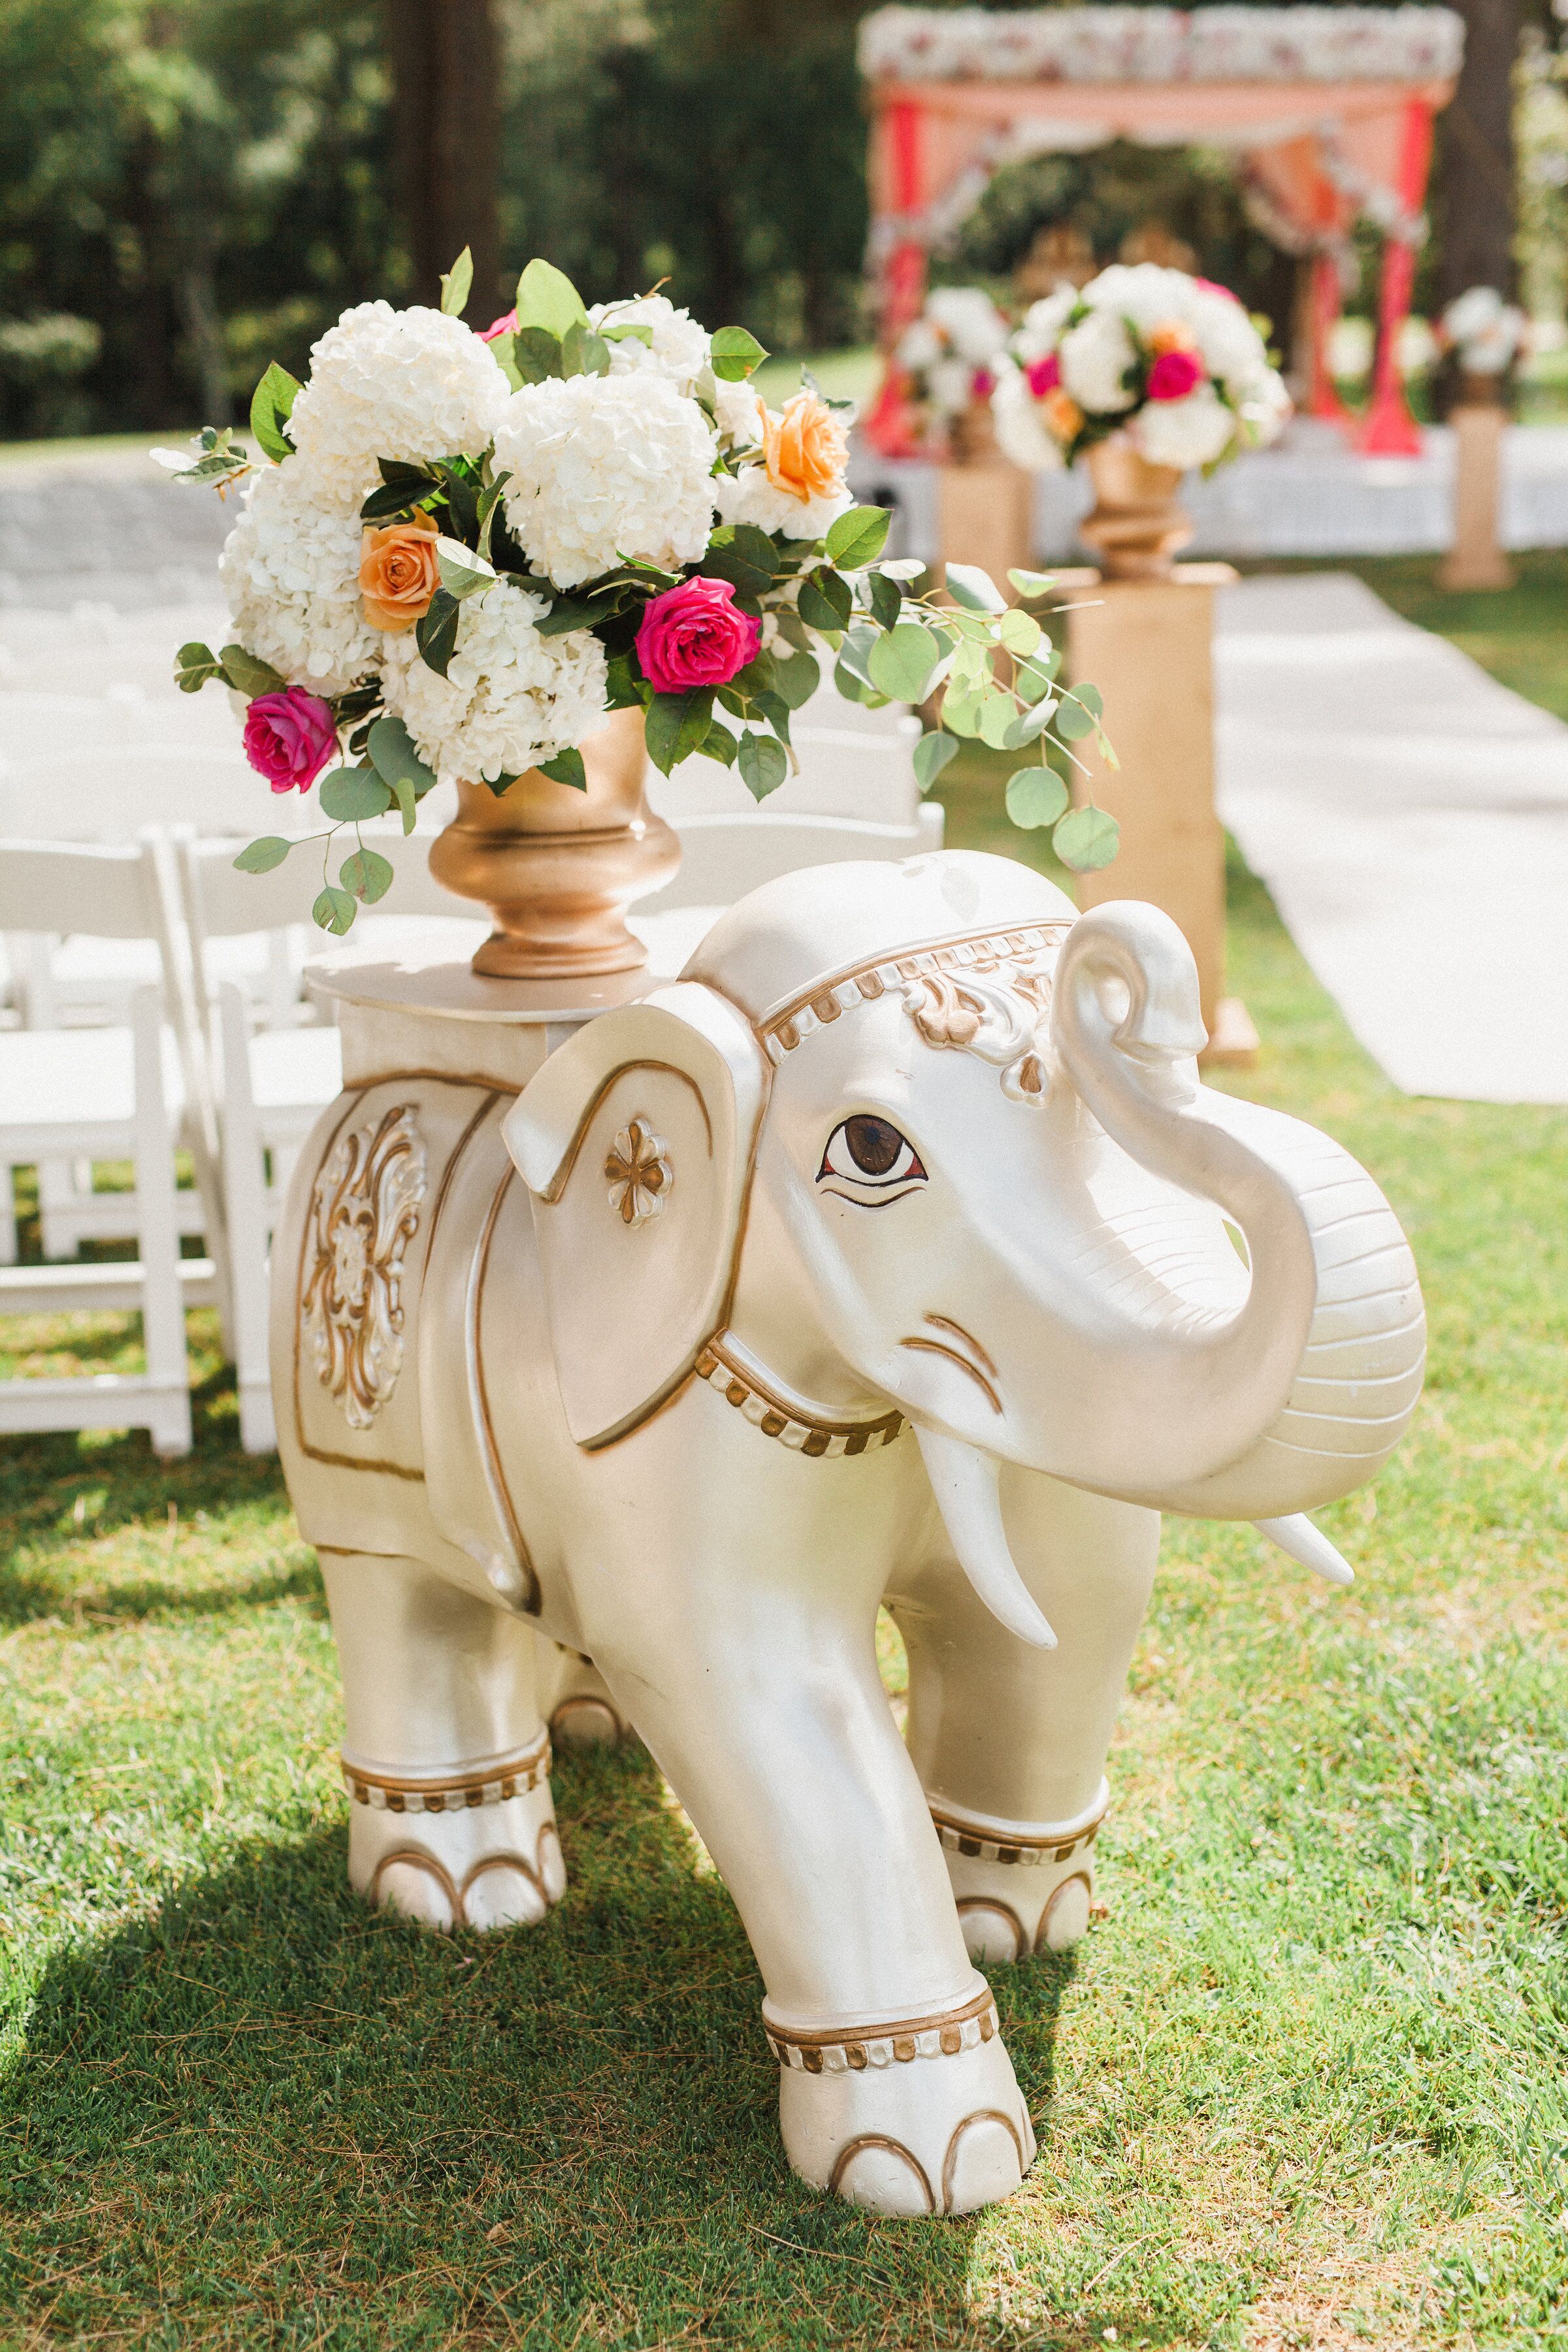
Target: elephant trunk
{"points": [[1298, 1396]]}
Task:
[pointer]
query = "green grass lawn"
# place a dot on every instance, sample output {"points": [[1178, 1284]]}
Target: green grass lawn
{"points": [[1307, 2086]]}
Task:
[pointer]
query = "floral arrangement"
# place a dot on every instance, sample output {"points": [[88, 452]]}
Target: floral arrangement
{"points": [[948, 355], [1485, 333], [465, 550], [1172, 362], [1411, 44]]}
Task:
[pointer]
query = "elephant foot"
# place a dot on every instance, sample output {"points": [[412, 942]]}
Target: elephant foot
{"points": [[915, 2116], [581, 1711], [1021, 1886], [475, 1846]]}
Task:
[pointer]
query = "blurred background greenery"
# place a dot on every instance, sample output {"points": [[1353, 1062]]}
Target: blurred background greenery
{"points": [[189, 188]]}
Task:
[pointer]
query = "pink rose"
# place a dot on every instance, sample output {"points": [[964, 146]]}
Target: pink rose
{"points": [[289, 736], [692, 635], [507, 326], [983, 385], [1208, 286], [1175, 374], [1043, 375]]}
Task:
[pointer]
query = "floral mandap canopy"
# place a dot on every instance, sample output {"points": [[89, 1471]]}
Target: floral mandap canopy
{"points": [[1329, 110]]}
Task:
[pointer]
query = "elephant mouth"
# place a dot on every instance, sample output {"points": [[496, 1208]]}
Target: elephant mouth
{"points": [[975, 1361]]}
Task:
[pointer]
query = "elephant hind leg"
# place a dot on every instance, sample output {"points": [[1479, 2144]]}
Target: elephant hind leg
{"points": [[446, 1762], [576, 1703]]}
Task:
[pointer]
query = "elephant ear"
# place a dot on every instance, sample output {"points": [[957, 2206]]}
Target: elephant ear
{"points": [[635, 1140]]}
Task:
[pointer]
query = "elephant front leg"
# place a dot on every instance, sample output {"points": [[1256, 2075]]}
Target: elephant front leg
{"points": [[745, 1658], [446, 1760], [1011, 1742]]}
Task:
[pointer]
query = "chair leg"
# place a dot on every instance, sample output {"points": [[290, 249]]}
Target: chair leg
{"points": [[163, 1307], [246, 1220], [7, 1214]]}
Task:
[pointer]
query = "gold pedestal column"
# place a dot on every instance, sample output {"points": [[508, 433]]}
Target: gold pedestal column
{"points": [[1476, 559]]}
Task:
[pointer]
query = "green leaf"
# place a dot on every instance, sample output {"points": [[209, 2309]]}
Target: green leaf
{"points": [[1020, 633], [903, 663], [270, 403], [351, 793], [886, 599], [462, 570], [566, 767], [261, 856], [636, 332], [1032, 584], [859, 537], [396, 758], [535, 354], [1087, 839], [853, 654], [932, 753], [248, 673], [1091, 699], [436, 634], [333, 911], [968, 586], [457, 284], [797, 678], [503, 351], [366, 876], [719, 744], [1033, 678], [734, 353], [666, 716], [583, 352], [1028, 727], [546, 298], [998, 711], [960, 712], [194, 665], [1073, 721], [1035, 796], [762, 762], [855, 688], [904, 567], [814, 608], [775, 710], [403, 793]]}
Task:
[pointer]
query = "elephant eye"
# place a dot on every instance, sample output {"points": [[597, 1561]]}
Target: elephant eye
{"points": [[871, 1155]]}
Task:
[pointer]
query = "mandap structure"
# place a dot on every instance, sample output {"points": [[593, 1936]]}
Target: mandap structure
{"points": [[1329, 110]]}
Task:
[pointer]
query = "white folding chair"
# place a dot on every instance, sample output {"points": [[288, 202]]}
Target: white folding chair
{"points": [[99, 1095], [109, 794]]}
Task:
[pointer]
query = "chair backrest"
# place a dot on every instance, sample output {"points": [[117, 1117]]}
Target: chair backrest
{"points": [[722, 857], [93, 890], [221, 902], [110, 794]]}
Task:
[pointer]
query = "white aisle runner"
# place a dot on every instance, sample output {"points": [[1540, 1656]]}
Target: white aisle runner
{"points": [[1410, 816]]}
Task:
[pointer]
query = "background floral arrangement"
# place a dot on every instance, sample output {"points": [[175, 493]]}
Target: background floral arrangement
{"points": [[1412, 43], [468, 549], [949, 357], [1172, 360], [1485, 333]]}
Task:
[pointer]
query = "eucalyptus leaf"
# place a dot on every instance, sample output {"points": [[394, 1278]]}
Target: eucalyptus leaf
{"points": [[462, 572], [457, 284], [1035, 796], [403, 793], [960, 712], [1091, 699], [859, 537], [334, 910], [886, 599], [261, 856], [396, 758], [1020, 633], [903, 567], [1028, 727], [636, 330], [535, 354], [902, 663], [366, 876], [1073, 721], [734, 353], [1033, 678], [566, 767], [997, 712], [547, 299], [194, 665], [814, 608], [249, 673], [1032, 584], [1087, 839], [932, 753], [762, 763], [968, 586], [583, 352], [797, 678], [350, 794]]}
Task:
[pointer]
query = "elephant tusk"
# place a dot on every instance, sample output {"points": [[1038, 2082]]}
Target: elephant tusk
{"points": [[966, 1484], [1309, 1544]]}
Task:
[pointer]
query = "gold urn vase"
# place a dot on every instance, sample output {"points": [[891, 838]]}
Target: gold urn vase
{"points": [[1135, 528], [558, 867]]}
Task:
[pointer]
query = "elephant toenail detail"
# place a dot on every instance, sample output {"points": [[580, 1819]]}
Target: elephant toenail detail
{"points": [[586, 1721], [992, 1929], [881, 2174], [1066, 1917], [407, 1880], [985, 2160]]}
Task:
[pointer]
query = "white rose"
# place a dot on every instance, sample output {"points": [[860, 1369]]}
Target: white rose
{"points": [[1095, 355], [1043, 324], [1229, 343], [1142, 292], [750, 497], [411, 384], [510, 698], [1184, 432], [971, 321], [1263, 405], [606, 467]]}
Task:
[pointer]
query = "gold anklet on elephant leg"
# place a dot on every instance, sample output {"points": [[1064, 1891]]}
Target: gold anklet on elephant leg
{"points": [[833, 2049], [453, 1790], [1004, 1922]]}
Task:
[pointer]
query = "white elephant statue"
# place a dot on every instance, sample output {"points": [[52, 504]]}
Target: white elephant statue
{"points": [[894, 1254]]}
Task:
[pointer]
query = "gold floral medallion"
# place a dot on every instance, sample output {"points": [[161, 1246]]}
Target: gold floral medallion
{"points": [[640, 1175], [364, 1211]]}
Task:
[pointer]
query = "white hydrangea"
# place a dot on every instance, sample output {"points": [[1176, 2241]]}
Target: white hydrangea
{"points": [[510, 698], [411, 384], [1142, 291], [606, 467], [1095, 356], [738, 410], [679, 349], [1020, 434], [970, 320], [919, 346], [1182, 433], [1042, 324], [750, 497], [1263, 405], [1231, 346], [289, 569]]}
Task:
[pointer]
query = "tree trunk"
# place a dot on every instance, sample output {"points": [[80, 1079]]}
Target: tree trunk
{"points": [[445, 75], [1475, 156]]}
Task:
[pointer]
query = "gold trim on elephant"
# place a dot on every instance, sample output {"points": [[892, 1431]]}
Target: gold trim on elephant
{"points": [[989, 1843], [493, 1783], [821, 1440], [364, 1211], [986, 957], [838, 2050], [640, 1173]]}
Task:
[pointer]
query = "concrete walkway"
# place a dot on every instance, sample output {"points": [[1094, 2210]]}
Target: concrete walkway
{"points": [[1410, 816]]}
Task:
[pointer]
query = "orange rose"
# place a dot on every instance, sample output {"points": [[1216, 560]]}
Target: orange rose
{"points": [[397, 575], [1170, 337], [1062, 414], [807, 448]]}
